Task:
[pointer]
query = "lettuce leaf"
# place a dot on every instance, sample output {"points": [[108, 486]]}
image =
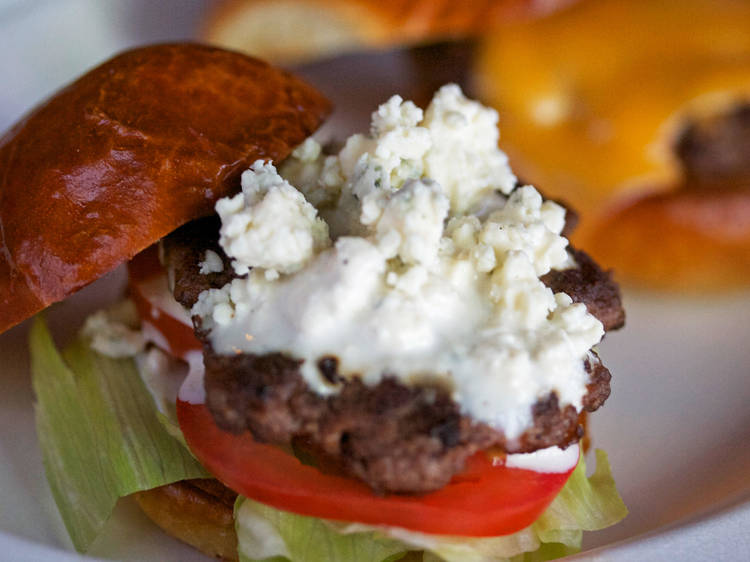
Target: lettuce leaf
{"points": [[584, 504], [103, 436], [99, 433], [266, 533]]}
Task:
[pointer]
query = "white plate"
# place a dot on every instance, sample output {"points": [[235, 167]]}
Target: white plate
{"points": [[677, 426]]}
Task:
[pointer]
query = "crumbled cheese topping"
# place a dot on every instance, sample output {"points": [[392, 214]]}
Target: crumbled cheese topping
{"points": [[411, 224], [114, 331], [211, 263], [270, 224], [433, 275], [454, 143], [465, 158]]}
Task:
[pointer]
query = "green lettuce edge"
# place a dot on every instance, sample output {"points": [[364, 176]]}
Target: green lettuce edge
{"points": [[102, 438], [99, 433]]}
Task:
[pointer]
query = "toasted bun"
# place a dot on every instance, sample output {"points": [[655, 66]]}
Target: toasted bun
{"points": [[690, 239], [197, 512], [604, 132], [135, 148], [200, 513], [297, 30]]}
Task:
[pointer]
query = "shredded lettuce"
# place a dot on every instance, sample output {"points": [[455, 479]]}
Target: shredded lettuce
{"points": [[104, 436], [584, 504], [99, 433]]}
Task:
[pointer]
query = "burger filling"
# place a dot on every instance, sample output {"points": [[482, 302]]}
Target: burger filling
{"points": [[402, 307]]}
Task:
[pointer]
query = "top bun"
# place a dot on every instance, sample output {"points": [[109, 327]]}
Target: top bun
{"points": [[127, 153]]}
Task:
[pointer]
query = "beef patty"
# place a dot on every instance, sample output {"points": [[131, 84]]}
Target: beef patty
{"points": [[394, 437], [714, 150]]}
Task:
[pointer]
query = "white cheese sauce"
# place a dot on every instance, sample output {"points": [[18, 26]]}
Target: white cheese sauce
{"points": [[549, 460], [426, 268]]}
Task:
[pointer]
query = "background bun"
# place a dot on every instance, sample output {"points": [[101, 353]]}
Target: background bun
{"points": [[298, 30], [135, 148]]}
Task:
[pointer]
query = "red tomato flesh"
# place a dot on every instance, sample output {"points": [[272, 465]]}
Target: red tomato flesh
{"points": [[484, 500]]}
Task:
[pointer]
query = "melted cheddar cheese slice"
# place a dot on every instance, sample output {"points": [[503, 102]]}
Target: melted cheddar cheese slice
{"points": [[591, 98], [592, 101]]}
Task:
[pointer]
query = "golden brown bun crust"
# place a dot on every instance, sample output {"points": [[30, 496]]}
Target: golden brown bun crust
{"points": [[296, 30], [135, 148], [198, 512]]}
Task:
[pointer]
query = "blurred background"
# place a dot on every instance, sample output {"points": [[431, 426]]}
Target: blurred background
{"points": [[636, 113]]}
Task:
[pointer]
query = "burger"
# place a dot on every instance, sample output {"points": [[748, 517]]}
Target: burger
{"points": [[362, 350], [667, 165]]}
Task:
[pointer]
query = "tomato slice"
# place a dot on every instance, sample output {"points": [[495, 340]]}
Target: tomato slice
{"points": [[484, 500], [156, 306]]}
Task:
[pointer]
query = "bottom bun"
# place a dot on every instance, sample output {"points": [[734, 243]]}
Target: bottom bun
{"points": [[198, 512]]}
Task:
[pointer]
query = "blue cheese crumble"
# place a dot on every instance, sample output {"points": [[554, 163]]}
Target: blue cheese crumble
{"points": [[410, 253], [269, 224]]}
